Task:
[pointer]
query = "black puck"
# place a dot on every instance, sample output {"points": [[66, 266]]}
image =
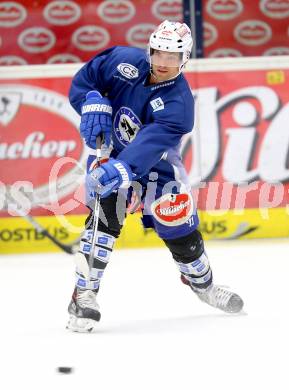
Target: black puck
{"points": [[65, 370]]}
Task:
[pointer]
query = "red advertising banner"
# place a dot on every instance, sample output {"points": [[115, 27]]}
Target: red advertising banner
{"points": [[241, 124], [41, 153], [234, 28], [236, 157], [243, 144], [64, 31]]}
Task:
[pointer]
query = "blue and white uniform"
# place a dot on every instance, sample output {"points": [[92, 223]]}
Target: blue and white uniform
{"points": [[148, 124], [148, 120]]}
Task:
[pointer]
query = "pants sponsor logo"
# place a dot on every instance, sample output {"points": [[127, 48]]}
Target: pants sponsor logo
{"points": [[173, 209]]}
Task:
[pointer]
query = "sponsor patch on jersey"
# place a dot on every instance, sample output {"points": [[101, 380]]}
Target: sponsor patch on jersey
{"points": [[127, 70], [173, 209], [157, 104], [126, 125]]}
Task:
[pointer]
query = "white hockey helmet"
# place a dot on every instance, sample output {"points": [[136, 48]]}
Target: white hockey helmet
{"points": [[172, 37]]}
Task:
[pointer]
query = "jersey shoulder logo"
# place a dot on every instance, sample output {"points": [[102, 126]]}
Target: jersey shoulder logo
{"points": [[157, 104], [126, 125], [127, 70]]}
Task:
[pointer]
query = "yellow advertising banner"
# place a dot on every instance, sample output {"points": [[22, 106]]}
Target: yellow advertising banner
{"points": [[17, 235]]}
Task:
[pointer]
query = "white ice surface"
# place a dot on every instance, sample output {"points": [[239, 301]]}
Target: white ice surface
{"points": [[154, 333]]}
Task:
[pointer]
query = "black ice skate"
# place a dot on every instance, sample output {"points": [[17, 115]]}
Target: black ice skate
{"points": [[84, 311], [218, 297]]}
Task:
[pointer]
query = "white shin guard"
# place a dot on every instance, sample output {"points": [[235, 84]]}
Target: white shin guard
{"points": [[198, 272], [102, 251]]}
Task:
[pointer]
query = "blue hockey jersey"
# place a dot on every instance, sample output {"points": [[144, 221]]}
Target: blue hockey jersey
{"points": [[148, 120]]}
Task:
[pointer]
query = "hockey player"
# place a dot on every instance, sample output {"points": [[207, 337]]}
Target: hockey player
{"points": [[146, 101]]}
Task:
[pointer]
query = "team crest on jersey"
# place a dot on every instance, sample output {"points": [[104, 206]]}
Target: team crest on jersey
{"points": [[128, 70], [126, 125]]}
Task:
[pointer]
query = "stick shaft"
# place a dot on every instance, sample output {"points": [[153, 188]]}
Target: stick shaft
{"points": [[95, 215], [70, 249]]}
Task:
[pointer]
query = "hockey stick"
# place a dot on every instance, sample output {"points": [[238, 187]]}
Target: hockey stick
{"points": [[95, 215], [80, 260], [70, 249], [67, 248]]}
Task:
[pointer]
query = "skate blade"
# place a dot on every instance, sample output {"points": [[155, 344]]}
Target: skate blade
{"points": [[81, 325]]}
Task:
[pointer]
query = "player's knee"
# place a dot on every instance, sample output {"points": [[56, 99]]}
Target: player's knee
{"points": [[186, 249], [111, 216], [112, 229]]}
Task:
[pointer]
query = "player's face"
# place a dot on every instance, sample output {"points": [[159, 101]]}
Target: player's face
{"points": [[165, 65]]}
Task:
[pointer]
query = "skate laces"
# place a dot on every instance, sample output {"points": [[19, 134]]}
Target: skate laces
{"points": [[220, 296], [216, 295], [87, 299]]}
